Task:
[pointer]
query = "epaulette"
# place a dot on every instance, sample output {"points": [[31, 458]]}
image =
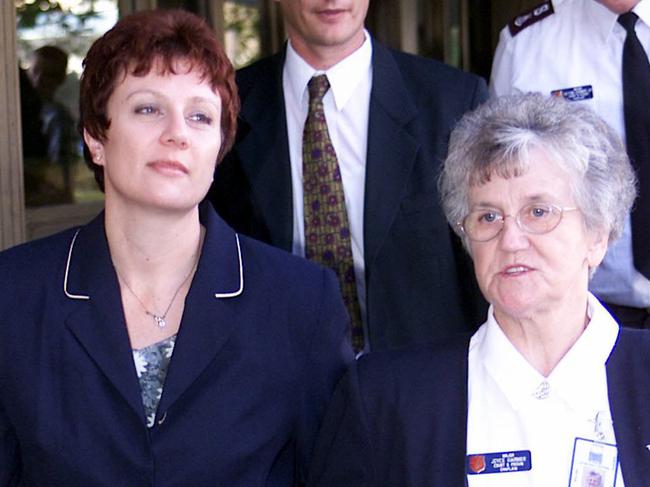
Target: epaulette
{"points": [[534, 15]]}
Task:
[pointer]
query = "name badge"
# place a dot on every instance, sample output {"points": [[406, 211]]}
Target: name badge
{"points": [[500, 462], [594, 464], [577, 93]]}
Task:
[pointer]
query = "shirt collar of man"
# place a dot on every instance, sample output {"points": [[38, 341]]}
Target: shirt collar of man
{"points": [[578, 379], [605, 21], [343, 77], [642, 9]]}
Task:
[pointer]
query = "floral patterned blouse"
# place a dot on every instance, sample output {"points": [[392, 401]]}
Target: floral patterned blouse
{"points": [[151, 364]]}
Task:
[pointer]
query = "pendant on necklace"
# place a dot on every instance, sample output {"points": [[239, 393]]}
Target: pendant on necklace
{"points": [[160, 320]]}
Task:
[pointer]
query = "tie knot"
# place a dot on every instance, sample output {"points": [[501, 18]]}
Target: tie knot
{"points": [[628, 20], [318, 86]]}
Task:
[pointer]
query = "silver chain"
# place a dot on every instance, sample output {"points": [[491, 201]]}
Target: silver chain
{"points": [[160, 320]]}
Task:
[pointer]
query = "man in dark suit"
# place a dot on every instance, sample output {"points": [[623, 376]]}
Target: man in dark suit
{"points": [[388, 117]]}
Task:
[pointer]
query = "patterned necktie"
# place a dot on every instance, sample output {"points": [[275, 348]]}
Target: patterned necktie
{"points": [[636, 107], [327, 231]]}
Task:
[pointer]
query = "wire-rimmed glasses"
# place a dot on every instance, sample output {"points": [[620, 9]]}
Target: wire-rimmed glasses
{"points": [[484, 224]]}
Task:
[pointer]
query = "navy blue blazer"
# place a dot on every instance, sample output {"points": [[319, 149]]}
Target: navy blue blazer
{"points": [[415, 267], [406, 411], [262, 342]]}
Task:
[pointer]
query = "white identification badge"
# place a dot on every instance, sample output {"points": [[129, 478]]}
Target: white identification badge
{"points": [[594, 464]]}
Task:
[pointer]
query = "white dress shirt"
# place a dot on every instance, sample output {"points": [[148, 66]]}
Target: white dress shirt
{"points": [[581, 44], [346, 105], [505, 416]]}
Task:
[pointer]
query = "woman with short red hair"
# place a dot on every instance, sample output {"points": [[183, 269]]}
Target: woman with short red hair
{"points": [[155, 346]]}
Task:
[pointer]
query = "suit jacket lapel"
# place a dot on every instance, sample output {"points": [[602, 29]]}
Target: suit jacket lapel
{"points": [[210, 308], [263, 150], [391, 149], [96, 317]]}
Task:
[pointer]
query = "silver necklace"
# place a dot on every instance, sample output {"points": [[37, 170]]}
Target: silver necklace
{"points": [[160, 320]]}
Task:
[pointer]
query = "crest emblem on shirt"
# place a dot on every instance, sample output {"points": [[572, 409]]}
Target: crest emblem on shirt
{"points": [[476, 463]]}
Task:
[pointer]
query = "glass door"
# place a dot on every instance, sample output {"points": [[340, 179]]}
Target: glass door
{"points": [[52, 39]]}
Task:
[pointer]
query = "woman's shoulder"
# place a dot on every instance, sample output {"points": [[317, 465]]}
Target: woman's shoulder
{"points": [[262, 265], [272, 260], [437, 363], [36, 255], [632, 347], [29, 271], [310, 291]]}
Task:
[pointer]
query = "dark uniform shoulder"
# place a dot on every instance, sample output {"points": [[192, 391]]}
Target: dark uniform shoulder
{"points": [[530, 17]]}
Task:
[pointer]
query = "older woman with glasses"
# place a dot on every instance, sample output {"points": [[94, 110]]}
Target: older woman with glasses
{"points": [[549, 391]]}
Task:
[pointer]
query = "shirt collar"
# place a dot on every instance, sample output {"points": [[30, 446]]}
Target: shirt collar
{"points": [[502, 360], [344, 76], [89, 269], [642, 9], [605, 20], [601, 18], [579, 377]]}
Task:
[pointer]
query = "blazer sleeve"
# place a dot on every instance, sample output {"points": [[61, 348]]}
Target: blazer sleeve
{"points": [[330, 353], [9, 455], [343, 455]]}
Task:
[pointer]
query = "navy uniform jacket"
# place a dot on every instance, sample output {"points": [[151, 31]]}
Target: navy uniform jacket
{"points": [[415, 267], [261, 345], [407, 412]]}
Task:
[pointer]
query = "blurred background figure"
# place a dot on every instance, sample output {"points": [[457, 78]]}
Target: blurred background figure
{"points": [[51, 153], [30, 110]]}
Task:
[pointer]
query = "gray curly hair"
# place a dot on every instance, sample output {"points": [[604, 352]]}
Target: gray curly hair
{"points": [[497, 138]]}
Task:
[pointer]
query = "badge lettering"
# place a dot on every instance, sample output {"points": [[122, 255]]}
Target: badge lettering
{"points": [[576, 93], [499, 462]]}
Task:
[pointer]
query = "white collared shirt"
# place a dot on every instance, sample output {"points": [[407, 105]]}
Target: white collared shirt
{"points": [[581, 44], [505, 416], [346, 105]]}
